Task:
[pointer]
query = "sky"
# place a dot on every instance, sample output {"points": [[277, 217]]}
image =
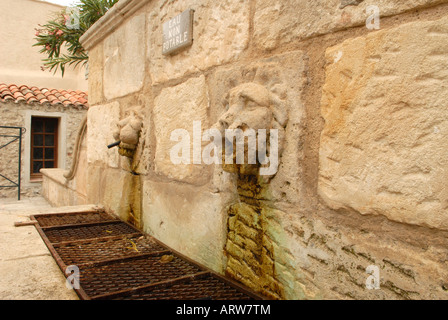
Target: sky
{"points": [[63, 2]]}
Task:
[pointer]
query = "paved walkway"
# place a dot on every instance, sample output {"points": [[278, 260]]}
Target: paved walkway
{"points": [[27, 269]]}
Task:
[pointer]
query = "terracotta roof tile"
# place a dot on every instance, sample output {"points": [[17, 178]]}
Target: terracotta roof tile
{"points": [[6, 94], [40, 96], [17, 94], [33, 94]]}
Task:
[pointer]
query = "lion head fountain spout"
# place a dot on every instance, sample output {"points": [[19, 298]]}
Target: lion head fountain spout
{"points": [[254, 130], [255, 115]]}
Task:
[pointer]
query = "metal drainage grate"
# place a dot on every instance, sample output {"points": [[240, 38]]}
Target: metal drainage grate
{"points": [[58, 219], [117, 261], [95, 250]]}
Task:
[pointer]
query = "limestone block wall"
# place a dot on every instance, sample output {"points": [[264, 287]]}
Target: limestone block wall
{"points": [[360, 182]]}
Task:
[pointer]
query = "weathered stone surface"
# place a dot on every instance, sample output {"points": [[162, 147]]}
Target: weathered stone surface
{"points": [[114, 191], [177, 108], [327, 260], [124, 58], [144, 156], [101, 122], [255, 251], [284, 77], [384, 148], [280, 22], [81, 177], [59, 192], [174, 210], [96, 66], [111, 188], [220, 34]]}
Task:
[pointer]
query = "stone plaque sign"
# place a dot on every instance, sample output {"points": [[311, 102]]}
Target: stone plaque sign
{"points": [[178, 32]]}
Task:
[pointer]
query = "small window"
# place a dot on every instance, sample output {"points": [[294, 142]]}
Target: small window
{"points": [[44, 145]]}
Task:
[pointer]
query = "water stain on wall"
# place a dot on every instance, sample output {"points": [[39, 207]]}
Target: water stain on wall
{"points": [[249, 249]]}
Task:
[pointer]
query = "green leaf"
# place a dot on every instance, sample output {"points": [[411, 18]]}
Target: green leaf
{"points": [[55, 34]]}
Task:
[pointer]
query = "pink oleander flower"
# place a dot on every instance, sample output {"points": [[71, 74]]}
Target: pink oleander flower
{"points": [[48, 47], [59, 33]]}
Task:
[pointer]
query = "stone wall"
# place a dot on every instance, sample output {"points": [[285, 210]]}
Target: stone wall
{"points": [[362, 169], [19, 115]]}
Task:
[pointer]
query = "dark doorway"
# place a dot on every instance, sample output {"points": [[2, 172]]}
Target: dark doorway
{"points": [[44, 145]]}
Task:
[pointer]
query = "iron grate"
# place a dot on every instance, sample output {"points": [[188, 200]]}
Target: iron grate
{"points": [[71, 233], [75, 253], [115, 277], [117, 261], [196, 289], [52, 220]]}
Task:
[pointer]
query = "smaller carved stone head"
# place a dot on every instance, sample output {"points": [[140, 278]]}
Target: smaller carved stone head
{"points": [[128, 132]]}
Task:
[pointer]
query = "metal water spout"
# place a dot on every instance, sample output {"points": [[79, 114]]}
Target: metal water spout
{"points": [[115, 144]]}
